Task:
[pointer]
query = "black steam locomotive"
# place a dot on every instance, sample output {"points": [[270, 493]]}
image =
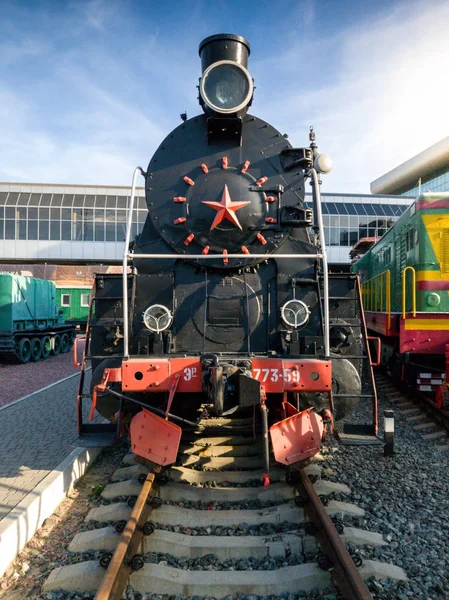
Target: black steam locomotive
{"points": [[226, 300]]}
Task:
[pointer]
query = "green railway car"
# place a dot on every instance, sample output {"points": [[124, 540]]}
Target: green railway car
{"points": [[405, 289], [74, 303], [31, 324]]}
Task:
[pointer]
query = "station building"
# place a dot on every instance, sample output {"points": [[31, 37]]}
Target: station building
{"points": [[428, 171], [59, 224]]}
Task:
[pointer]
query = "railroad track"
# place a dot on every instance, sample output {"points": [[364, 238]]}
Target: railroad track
{"points": [[207, 527], [420, 411]]}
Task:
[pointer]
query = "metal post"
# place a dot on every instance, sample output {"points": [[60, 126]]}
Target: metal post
{"points": [[388, 432]]}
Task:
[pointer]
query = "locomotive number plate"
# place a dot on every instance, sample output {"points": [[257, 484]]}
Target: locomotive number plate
{"points": [[277, 375], [273, 375]]}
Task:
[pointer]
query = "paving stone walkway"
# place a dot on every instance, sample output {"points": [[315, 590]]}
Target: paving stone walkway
{"points": [[35, 437]]}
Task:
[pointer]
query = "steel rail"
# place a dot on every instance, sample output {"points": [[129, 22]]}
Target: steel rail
{"points": [[116, 578], [440, 416], [344, 572]]}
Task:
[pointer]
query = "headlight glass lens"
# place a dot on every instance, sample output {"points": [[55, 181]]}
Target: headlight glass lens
{"points": [[295, 313], [226, 87], [157, 318]]}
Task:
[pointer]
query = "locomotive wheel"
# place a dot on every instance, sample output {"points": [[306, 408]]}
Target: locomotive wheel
{"points": [[24, 350], [56, 345], [65, 343], [36, 349], [46, 347]]}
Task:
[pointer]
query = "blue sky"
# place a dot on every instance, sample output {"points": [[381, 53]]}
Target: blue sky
{"points": [[88, 89]]}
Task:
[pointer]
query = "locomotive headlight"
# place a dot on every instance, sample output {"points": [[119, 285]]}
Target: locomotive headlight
{"points": [[295, 313], [226, 87], [157, 318]]}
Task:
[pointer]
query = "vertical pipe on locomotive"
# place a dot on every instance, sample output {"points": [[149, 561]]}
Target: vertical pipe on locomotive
{"points": [[319, 218]]}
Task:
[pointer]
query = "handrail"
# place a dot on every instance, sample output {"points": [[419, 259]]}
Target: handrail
{"points": [[174, 256], [404, 290], [126, 255], [373, 290]]}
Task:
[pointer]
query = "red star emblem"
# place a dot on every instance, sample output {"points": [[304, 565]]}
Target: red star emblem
{"points": [[226, 209]]}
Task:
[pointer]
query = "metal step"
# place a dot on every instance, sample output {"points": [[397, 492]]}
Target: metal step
{"points": [[96, 435], [357, 435]]}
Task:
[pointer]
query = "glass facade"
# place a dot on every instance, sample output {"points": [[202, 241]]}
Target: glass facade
{"points": [[34, 216], [348, 218], [67, 217], [438, 181]]}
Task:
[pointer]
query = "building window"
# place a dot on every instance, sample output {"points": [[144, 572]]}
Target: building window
{"points": [[85, 299], [65, 300]]}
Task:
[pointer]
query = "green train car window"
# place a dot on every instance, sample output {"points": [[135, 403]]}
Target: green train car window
{"points": [[85, 299], [65, 300]]}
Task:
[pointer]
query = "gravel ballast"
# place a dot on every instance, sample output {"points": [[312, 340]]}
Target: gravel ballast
{"points": [[406, 498]]}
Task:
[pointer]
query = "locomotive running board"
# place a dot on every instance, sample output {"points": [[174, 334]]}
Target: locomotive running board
{"points": [[350, 434], [96, 435]]}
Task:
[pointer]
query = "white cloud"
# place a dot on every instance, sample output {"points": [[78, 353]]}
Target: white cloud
{"points": [[385, 103], [375, 92]]}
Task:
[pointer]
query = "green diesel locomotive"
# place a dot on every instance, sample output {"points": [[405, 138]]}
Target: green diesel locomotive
{"points": [[405, 288]]}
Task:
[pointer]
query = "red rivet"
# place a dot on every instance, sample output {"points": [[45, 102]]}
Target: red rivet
{"points": [[180, 220], [225, 259], [188, 239], [205, 250], [245, 250], [261, 239], [270, 199], [245, 166], [224, 162], [204, 167], [270, 220], [188, 180], [261, 181], [179, 199]]}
